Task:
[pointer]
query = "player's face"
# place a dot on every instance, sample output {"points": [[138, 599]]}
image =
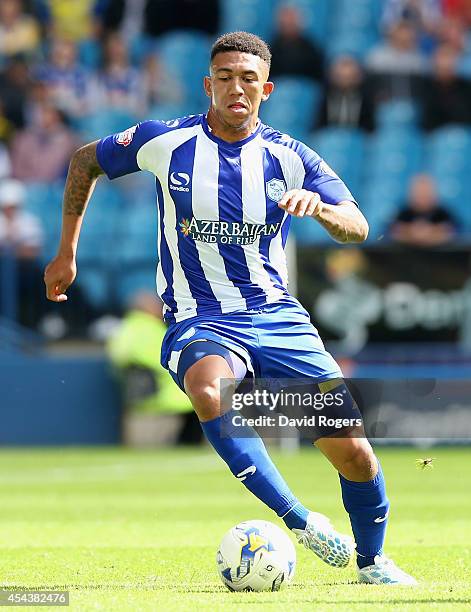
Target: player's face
{"points": [[237, 86]]}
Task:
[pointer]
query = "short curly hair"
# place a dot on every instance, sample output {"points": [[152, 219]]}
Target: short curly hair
{"points": [[244, 42]]}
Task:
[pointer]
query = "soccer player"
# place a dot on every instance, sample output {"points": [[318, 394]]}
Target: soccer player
{"points": [[227, 186]]}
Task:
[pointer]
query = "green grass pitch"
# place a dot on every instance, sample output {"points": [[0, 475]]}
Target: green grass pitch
{"points": [[128, 530]]}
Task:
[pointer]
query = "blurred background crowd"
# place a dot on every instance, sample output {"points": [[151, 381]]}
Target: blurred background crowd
{"points": [[380, 88]]}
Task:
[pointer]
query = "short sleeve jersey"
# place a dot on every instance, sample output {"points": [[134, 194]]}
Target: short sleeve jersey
{"points": [[221, 233]]}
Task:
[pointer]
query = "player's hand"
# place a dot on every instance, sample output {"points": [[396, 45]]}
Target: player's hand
{"points": [[58, 276], [300, 203]]}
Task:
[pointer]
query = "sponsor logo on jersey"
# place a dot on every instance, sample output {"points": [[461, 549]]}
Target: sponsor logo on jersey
{"points": [[226, 232], [125, 138], [276, 188], [179, 181]]}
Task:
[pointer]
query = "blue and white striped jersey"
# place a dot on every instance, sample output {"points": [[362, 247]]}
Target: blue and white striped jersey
{"points": [[221, 234]]}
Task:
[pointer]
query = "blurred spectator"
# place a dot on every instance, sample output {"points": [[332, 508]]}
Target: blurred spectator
{"points": [[19, 32], [5, 164], [21, 236], [155, 17], [42, 152], [68, 19], [423, 221], [66, 81], [6, 126], [15, 83], [396, 66], [293, 52], [460, 9], [453, 32], [147, 386], [346, 103], [118, 85], [161, 88], [423, 15], [447, 98]]}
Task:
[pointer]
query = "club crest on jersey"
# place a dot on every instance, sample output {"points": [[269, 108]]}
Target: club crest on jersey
{"points": [[275, 189], [125, 138]]}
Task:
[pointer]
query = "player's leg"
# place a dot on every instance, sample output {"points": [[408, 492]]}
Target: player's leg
{"points": [[202, 365], [363, 490], [365, 500]]}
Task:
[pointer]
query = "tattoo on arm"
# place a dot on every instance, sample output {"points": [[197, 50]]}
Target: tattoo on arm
{"points": [[83, 172]]}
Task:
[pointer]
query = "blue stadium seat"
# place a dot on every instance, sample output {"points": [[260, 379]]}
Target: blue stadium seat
{"points": [[448, 155], [315, 16], [104, 122], [256, 16], [395, 153], [96, 282], [97, 244], [186, 57], [89, 53], [44, 200], [398, 113], [355, 27], [135, 279], [393, 156], [293, 106], [380, 201], [136, 235], [309, 232], [343, 150]]}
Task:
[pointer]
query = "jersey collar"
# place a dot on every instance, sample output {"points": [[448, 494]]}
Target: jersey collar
{"points": [[230, 145]]}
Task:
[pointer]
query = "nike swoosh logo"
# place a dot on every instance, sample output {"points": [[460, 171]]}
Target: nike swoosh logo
{"points": [[381, 519], [247, 472]]}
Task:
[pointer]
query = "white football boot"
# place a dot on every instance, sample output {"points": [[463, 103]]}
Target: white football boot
{"points": [[332, 547], [384, 571]]}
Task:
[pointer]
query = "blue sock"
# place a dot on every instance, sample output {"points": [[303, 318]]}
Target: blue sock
{"points": [[368, 506], [248, 460]]}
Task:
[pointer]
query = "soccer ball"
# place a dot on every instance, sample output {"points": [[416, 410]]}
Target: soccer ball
{"points": [[256, 556]]}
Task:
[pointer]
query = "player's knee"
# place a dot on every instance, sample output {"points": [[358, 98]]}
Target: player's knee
{"points": [[205, 398], [359, 462]]}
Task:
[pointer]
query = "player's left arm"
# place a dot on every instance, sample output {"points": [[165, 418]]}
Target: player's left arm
{"points": [[344, 221]]}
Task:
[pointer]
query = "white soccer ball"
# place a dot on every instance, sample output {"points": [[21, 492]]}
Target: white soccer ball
{"points": [[256, 556]]}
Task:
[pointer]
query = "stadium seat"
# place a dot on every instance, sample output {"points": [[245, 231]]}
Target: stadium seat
{"points": [[135, 279], [186, 57], [354, 27], [104, 122], [309, 232], [398, 113], [293, 106], [256, 16], [392, 157], [448, 155], [97, 244], [136, 235], [44, 200], [315, 16], [342, 149], [97, 284], [395, 153], [89, 53]]}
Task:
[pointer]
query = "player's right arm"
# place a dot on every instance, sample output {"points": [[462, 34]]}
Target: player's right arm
{"points": [[84, 170], [114, 155]]}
